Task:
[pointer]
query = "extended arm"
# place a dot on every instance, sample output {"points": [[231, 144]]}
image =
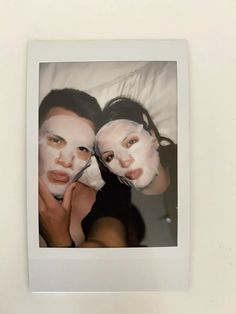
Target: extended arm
{"points": [[106, 232]]}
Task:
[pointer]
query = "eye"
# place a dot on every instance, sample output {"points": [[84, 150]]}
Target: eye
{"points": [[108, 158], [83, 153], [83, 149], [55, 141], [130, 141]]}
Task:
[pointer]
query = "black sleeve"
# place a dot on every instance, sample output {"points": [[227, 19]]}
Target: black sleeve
{"points": [[169, 159], [113, 200]]}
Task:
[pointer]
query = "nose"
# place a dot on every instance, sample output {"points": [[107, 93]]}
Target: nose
{"points": [[126, 162], [66, 162]]}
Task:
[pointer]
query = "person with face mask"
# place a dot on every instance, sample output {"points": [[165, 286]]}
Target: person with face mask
{"points": [[129, 145], [75, 207], [65, 149]]}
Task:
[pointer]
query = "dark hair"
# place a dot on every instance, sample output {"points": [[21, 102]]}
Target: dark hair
{"points": [[126, 108], [71, 99]]}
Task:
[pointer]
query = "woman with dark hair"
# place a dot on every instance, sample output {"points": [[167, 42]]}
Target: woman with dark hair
{"points": [[130, 146]]}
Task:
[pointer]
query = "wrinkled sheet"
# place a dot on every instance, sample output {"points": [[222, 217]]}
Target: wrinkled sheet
{"points": [[153, 84]]}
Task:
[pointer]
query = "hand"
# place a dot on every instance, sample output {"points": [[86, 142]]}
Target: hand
{"points": [[54, 216], [82, 200]]}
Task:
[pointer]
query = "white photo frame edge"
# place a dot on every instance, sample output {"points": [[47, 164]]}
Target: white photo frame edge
{"points": [[126, 269]]}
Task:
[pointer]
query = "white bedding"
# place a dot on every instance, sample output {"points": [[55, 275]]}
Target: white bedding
{"points": [[153, 84]]}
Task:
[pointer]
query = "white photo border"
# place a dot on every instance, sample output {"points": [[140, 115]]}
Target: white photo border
{"points": [[113, 269]]}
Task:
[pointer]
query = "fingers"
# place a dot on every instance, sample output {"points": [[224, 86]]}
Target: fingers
{"points": [[67, 196], [47, 198]]}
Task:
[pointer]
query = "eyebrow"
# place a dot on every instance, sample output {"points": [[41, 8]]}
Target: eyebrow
{"points": [[129, 134], [56, 136]]}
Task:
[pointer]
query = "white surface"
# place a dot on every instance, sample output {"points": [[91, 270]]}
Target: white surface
{"points": [[159, 268], [209, 27]]}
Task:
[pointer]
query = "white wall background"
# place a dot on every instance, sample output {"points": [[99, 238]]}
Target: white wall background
{"points": [[210, 29]]}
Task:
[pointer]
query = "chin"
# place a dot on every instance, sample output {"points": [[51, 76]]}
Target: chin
{"points": [[57, 192], [56, 189], [143, 183]]}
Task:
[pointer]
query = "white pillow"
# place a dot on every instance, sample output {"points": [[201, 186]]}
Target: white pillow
{"points": [[153, 84]]}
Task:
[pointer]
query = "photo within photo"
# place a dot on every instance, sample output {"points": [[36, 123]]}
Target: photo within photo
{"points": [[108, 154]]}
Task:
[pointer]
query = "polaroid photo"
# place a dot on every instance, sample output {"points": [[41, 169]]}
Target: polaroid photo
{"points": [[108, 201]]}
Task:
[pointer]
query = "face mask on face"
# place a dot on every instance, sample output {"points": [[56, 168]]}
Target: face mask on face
{"points": [[129, 151], [65, 147], [92, 176]]}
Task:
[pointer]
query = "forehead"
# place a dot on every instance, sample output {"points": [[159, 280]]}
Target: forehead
{"points": [[69, 127], [58, 111]]}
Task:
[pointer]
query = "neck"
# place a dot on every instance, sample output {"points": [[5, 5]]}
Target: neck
{"points": [[159, 184]]}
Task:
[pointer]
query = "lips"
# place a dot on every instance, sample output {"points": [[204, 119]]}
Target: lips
{"points": [[134, 174], [58, 177]]}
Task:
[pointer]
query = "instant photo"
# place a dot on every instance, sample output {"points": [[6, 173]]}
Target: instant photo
{"points": [[108, 166]]}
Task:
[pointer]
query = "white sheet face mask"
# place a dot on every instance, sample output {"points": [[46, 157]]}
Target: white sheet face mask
{"points": [[129, 151], [65, 146], [92, 176]]}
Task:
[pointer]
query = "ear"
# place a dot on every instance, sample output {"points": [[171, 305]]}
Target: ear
{"points": [[155, 140]]}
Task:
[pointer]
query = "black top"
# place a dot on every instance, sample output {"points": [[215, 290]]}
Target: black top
{"points": [[113, 200]]}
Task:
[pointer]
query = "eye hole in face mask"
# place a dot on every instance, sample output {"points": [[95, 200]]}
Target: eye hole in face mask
{"points": [[83, 153], [108, 156], [56, 141], [129, 141]]}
